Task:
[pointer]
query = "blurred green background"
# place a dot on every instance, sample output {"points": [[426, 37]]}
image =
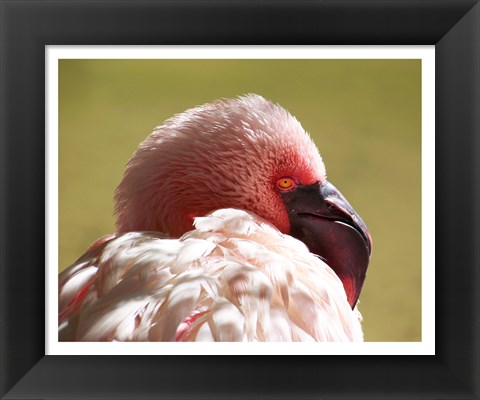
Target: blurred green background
{"points": [[364, 115]]}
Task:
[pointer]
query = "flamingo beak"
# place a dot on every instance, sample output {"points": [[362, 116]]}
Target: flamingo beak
{"points": [[324, 220]]}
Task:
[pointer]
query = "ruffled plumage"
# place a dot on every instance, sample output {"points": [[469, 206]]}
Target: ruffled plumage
{"points": [[235, 277]]}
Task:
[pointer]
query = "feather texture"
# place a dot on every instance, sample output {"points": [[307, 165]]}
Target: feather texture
{"points": [[235, 277]]}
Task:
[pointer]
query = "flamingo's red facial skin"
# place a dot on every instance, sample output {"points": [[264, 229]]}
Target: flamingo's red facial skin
{"points": [[231, 154]]}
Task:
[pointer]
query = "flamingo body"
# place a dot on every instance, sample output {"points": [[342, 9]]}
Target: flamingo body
{"points": [[233, 278], [203, 250]]}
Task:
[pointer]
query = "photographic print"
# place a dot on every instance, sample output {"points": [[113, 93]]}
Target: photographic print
{"points": [[240, 200]]}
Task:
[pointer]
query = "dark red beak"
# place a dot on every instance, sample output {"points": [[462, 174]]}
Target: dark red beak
{"points": [[324, 220]]}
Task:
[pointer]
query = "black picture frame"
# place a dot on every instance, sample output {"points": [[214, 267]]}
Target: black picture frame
{"points": [[453, 26]]}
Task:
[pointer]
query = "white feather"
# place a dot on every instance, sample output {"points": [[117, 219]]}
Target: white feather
{"points": [[233, 278]]}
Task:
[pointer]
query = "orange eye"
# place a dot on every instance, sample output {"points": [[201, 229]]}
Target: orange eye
{"points": [[285, 183]]}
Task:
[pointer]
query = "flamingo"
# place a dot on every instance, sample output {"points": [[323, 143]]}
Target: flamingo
{"points": [[227, 229]]}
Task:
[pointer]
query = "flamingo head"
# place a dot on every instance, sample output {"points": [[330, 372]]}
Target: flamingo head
{"points": [[246, 153]]}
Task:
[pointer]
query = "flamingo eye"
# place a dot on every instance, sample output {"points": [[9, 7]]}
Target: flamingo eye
{"points": [[285, 184]]}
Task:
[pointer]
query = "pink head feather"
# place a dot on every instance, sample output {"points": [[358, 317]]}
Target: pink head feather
{"points": [[227, 154]]}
